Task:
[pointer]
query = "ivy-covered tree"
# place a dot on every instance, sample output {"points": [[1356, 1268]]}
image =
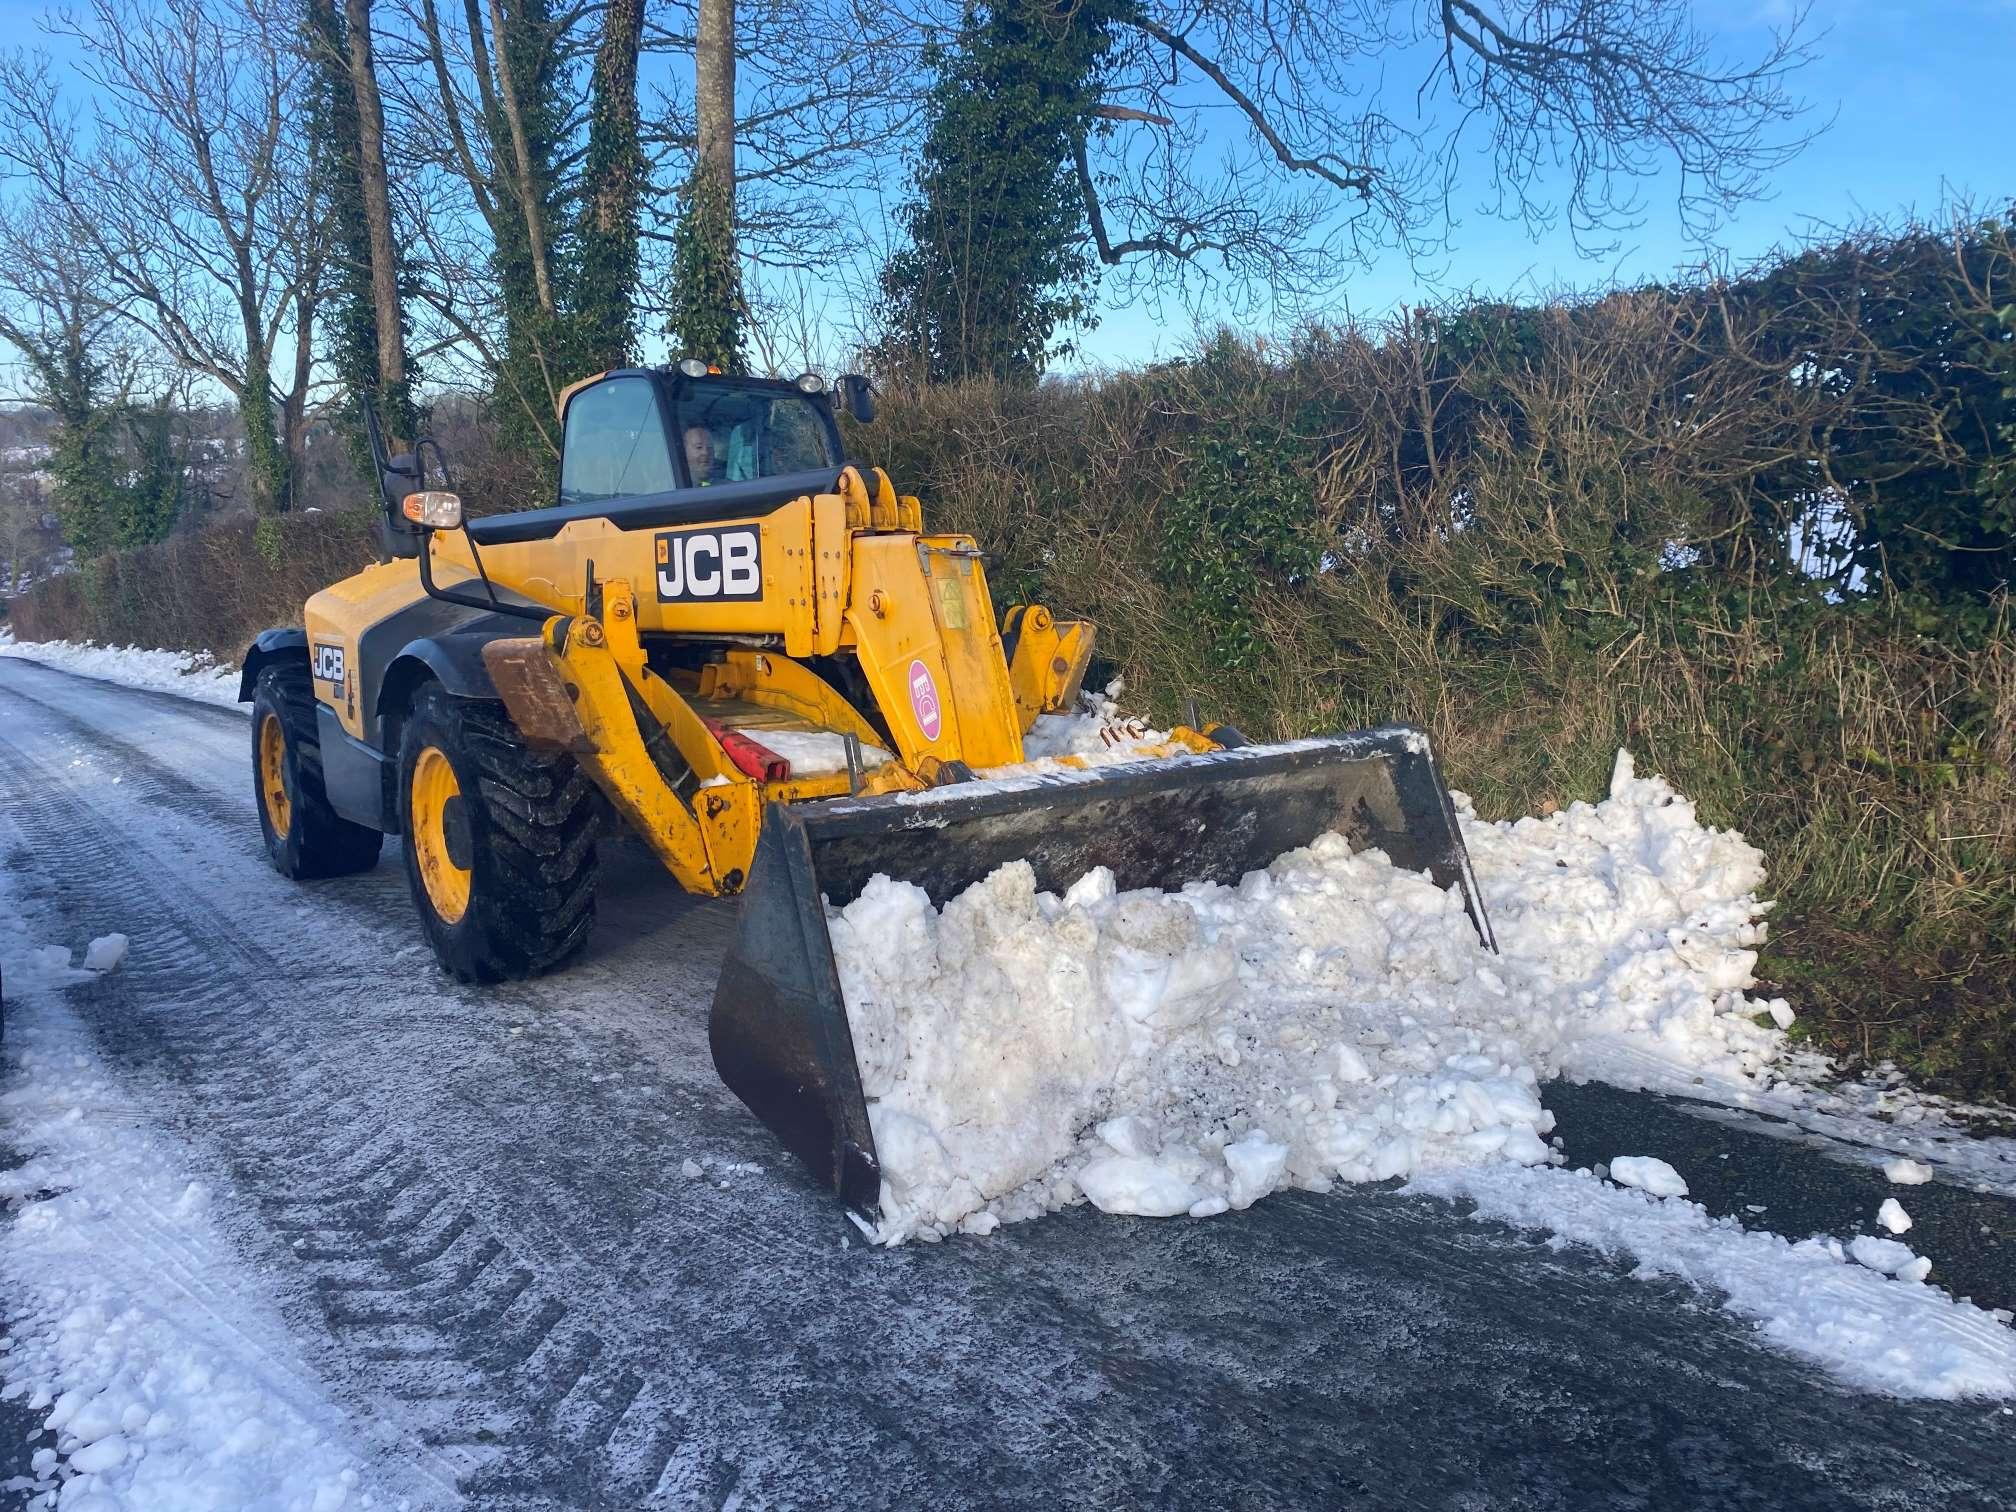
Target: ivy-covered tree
{"points": [[615, 180], [115, 477], [526, 118], [358, 297], [706, 313], [997, 263], [1158, 144]]}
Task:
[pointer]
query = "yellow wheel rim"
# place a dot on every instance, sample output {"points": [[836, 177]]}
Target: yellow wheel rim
{"points": [[273, 775], [434, 790]]}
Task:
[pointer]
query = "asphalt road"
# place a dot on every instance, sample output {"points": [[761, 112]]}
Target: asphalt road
{"points": [[469, 1206]]}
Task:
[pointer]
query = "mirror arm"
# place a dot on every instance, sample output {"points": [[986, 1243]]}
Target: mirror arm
{"points": [[450, 596]]}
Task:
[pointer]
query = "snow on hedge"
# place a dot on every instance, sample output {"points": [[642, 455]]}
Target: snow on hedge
{"points": [[131, 1324], [189, 674]]}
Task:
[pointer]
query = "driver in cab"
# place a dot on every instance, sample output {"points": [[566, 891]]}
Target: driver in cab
{"points": [[699, 442]]}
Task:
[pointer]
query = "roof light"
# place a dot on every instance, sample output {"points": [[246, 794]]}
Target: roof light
{"points": [[693, 367], [811, 383]]}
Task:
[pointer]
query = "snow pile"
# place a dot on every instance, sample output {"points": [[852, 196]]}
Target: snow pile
{"points": [[165, 1374], [1175, 1053], [189, 674], [1635, 922], [1330, 1018], [1809, 1297]]}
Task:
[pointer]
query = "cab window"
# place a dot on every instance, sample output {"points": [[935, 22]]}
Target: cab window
{"points": [[731, 434], [615, 445]]}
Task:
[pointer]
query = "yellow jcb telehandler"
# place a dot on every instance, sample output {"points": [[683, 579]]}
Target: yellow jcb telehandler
{"points": [[735, 644]]}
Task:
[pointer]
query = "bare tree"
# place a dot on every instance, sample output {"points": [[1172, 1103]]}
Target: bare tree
{"points": [[1325, 172], [192, 194]]}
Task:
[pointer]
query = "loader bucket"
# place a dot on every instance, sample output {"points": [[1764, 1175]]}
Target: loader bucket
{"points": [[779, 1027]]}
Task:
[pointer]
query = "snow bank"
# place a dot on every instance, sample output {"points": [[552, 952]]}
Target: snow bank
{"points": [[188, 674], [1809, 1297], [1330, 1018], [165, 1373]]}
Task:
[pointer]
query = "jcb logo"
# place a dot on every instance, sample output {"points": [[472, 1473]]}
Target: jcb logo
{"points": [[710, 565], [329, 665]]}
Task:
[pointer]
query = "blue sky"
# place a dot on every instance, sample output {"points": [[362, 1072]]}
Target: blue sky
{"points": [[1916, 101], [1919, 95]]}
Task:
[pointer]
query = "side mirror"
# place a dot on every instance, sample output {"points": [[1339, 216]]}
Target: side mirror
{"points": [[433, 509], [858, 397], [406, 465]]}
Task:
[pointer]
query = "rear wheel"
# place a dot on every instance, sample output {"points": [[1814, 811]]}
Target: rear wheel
{"points": [[305, 837], [500, 841]]}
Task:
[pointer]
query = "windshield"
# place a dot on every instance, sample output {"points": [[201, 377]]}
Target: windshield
{"points": [[730, 433]]}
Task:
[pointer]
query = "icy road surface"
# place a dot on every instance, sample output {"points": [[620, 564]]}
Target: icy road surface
{"points": [[471, 1210]]}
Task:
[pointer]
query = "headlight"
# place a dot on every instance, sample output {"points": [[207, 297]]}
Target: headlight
{"points": [[811, 383], [692, 367]]}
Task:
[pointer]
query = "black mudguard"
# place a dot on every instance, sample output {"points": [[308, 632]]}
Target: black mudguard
{"points": [[283, 644]]}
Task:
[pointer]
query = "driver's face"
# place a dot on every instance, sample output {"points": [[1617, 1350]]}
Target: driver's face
{"points": [[699, 452]]}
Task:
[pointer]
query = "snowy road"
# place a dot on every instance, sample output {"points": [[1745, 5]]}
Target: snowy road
{"points": [[469, 1207]]}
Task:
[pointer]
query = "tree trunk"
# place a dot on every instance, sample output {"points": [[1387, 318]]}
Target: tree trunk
{"points": [[529, 202], [706, 319], [714, 92], [615, 187], [377, 213]]}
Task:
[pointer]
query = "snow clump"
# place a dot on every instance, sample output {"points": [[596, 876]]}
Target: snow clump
{"points": [[1648, 1173]]}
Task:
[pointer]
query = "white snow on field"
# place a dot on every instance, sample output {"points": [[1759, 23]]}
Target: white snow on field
{"points": [[187, 673], [1332, 1018], [1809, 1297], [131, 1324]]}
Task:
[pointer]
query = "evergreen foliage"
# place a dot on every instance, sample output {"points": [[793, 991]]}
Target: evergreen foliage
{"points": [[706, 316], [617, 177], [997, 263]]}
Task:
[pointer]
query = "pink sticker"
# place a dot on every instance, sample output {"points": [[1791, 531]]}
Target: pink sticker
{"points": [[924, 699]]}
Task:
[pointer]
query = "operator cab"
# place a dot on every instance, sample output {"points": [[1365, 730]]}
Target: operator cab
{"points": [[646, 447], [631, 433]]}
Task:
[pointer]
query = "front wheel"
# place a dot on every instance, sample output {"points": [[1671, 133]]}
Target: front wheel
{"points": [[500, 841], [305, 837]]}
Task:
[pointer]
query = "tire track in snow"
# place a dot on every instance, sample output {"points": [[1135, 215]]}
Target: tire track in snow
{"points": [[405, 1276]]}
